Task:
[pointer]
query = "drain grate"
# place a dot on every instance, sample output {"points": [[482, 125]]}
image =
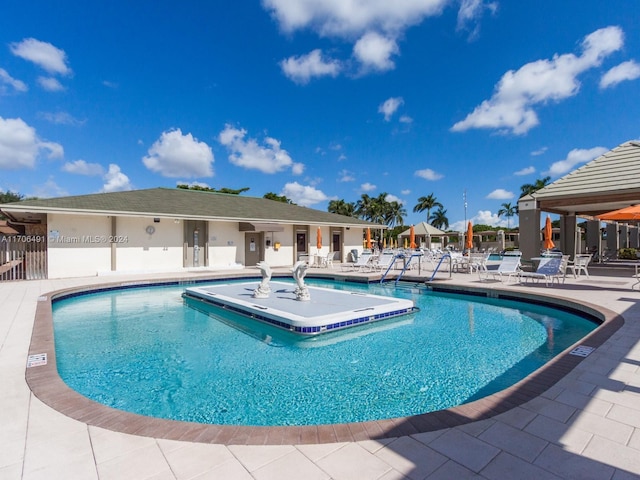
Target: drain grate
{"points": [[582, 351]]}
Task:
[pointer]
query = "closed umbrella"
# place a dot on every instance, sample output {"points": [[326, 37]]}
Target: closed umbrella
{"points": [[469, 241], [412, 237], [548, 241], [368, 238], [319, 239]]}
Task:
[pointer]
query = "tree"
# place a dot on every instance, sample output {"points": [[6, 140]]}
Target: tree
{"points": [[508, 211], [9, 197], [365, 207], [427, 203], [394, 214], [439, 219], [529, 188], [200, 188], [277, 198], [341, 207]]}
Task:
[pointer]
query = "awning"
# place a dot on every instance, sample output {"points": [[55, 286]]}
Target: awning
{"points": [[259, 227]]}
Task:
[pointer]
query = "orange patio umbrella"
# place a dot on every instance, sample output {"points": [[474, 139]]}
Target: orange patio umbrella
{"points": [[412, 237], [368, 238], [548, 241], [469, 240], [627, 213], [319, 239]]}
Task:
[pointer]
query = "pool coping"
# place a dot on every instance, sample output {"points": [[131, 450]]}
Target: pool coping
{"points": [[47, 386]]}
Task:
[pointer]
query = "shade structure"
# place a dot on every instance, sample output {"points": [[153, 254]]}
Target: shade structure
{"points": [[368, 238], [319, 239], [548, 241], [412, 237], [468, 244], [627, 213]]}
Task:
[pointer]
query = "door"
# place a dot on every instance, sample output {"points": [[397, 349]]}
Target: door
{"points": [[195, 240], [253, 251], [336, 245]]}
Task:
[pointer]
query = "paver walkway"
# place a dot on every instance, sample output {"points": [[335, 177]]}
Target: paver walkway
{"points": [[586, 426]]}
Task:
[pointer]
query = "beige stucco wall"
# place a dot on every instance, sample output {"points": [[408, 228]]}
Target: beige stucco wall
{"points": [[81, 245], [137, 249], [77, 245]]}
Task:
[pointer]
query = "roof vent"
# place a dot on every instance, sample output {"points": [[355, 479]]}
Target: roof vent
{"points": [[635, 144]]}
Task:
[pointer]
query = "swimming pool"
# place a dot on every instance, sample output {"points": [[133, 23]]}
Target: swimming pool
{"points": [[141, 350]]}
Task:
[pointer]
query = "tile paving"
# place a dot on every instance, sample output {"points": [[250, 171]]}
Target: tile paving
{"points": [[577, 420]]}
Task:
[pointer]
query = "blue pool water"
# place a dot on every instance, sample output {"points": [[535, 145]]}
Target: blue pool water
{"points": [[142, 350]]}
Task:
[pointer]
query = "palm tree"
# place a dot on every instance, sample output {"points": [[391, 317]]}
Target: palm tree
{"points": [[394, 214], [439, 219], [341, 207], [365, 207], [529, 188], [508, 211], [427, 203]]}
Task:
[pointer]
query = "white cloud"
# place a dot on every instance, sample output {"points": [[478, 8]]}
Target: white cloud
{"points": [[301, 69], [43, 54], [390, 106], [177, 155], [303, 195], [511, 106], [575, 157], [392, 198], [346, 176], [50, 84], [405, 192], [428, 174], [470, 13], [20, 146], [405, 119], [6, 79], [61, 118], [525, 171], [538, 152], [367, 187], [48, 190], [378, 24], [500, 194], [625, 71], [374, 51], [346, 18], [80, 167], [115, 180], [269, 158]]}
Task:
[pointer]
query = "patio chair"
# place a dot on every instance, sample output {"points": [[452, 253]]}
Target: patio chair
{"points": [[509, 267], [327, 262], [580, 264], [549, 269], [363, 263], [384, 261]]}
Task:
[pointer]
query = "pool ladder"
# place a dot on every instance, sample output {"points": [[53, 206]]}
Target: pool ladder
{"points": [[404, 268]]}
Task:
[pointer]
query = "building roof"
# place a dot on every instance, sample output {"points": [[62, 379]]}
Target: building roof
{"points": [[607, 183], [178, 203], [423, 228]]}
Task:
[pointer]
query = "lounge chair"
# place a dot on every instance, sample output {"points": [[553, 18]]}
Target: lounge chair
{"points": [[549, 269], [363, 263], [384, 261], [579, 265], [509, 267]]}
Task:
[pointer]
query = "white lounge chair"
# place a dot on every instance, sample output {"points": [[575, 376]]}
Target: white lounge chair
{"points": [[384, 261], [363, 263], [509, 267], [549, 269]]}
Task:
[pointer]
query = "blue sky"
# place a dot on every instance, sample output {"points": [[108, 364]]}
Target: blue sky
{"points": [[315, 99]]}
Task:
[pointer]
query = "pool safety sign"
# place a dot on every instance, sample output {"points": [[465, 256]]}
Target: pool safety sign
{"points": [[582, 351], [37, 360]]}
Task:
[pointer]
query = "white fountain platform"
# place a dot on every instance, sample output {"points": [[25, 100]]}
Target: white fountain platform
{"points": [[328, 309]]}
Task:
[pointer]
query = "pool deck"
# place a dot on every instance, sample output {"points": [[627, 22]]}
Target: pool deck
{"points": [[585, 425]]}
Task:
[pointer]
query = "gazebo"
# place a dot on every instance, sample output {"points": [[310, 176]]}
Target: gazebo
{"points": [[423, 232]]}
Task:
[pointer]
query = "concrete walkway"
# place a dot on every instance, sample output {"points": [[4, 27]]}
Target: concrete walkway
{"points": [[585, 426]]}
